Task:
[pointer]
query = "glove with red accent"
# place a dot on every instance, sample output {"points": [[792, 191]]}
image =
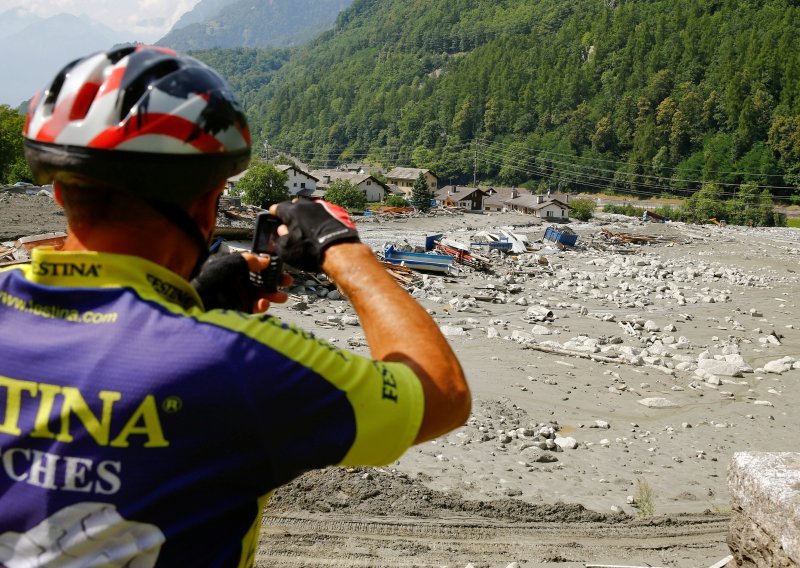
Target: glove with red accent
{"points": [[313, 227], [224, 283]]}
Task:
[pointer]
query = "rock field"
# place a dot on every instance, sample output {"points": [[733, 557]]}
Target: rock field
{"points": [[614, 376]]}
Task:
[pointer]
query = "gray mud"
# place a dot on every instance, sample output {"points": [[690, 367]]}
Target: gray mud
{"points": [[379, 492]]}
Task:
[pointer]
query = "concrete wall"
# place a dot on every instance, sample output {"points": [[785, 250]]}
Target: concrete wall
{"points": [[765, 515]]}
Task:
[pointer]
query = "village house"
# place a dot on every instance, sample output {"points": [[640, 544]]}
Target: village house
{"points": [[541, 206], [496, 197], [404, 178], [371, 187], [552, 207], [469, 198], [299, 182]]}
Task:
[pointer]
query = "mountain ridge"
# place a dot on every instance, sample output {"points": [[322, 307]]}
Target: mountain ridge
{"points": [[256, 23], [32, 62]]}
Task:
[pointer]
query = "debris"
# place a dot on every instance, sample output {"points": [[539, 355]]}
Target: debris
{"points": [[657, 402], [628, 238]]}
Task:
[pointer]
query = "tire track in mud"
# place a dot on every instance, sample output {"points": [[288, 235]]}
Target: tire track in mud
{"points": [[310, 540]]}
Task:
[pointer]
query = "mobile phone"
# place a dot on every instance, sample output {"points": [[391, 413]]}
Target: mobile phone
{"points": [[265, 242]]}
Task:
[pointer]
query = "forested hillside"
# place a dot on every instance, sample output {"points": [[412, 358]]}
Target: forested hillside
{"points": [[648, 97], [254, 23]]}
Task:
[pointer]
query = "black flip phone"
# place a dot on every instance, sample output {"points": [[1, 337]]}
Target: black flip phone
{"points": [[265, 242]]}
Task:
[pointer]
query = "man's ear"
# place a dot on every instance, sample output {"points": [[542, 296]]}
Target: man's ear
{"points": [[204, 210]]}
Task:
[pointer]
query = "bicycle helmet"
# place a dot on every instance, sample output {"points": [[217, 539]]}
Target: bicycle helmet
{"points": [[143, 119]]}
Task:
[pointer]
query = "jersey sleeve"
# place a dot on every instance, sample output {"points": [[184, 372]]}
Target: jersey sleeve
{"points": [[331, 406]]}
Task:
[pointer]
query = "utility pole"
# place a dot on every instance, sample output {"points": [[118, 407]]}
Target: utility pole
{"points": [[475, 168]]}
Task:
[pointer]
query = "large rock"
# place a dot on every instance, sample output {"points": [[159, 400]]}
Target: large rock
{"points": [[765, 516], [720, 367], [779, 366], [452, 330], [568, 443]]}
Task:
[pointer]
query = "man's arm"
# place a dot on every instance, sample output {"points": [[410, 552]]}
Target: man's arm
{"points": [[398, 329]]}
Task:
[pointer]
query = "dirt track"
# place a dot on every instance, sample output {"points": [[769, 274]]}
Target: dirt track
{"points": [[365, 517], [317, 541]]}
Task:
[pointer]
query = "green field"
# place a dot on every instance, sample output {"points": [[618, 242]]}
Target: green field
{"points": [[793, 223]]}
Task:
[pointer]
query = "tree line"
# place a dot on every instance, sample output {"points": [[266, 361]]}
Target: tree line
{"points": [[657, 97]]}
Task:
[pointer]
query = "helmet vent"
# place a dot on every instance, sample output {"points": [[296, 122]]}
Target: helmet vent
{"points": [[136, 89], [115, 56], [51, 96]]}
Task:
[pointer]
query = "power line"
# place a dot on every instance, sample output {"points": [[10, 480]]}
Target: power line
{"points": [[596, 182], [548, 152], [517, 159], [646, 176]]}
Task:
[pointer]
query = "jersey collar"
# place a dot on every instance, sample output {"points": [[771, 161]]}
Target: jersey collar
{"points": [[88, 269]]}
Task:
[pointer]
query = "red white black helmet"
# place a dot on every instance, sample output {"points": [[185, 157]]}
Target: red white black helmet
{"points": [[143, 119]]}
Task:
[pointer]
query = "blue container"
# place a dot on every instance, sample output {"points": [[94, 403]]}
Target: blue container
{"points": [[561, 236]]}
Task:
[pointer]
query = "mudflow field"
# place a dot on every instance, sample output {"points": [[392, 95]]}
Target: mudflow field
{"points": [[659, 361]]}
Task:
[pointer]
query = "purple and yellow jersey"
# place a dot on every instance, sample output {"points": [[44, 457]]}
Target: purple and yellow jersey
{"points": [[137, 429]]}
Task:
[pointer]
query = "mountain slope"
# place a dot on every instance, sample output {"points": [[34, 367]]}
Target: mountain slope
{"points": [[33, 55], [646, 97], [204, 10], [15, 20], [258, 23]]}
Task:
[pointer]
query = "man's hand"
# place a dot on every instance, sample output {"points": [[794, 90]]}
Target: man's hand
{"points": [[224, 283], [310, 228]]}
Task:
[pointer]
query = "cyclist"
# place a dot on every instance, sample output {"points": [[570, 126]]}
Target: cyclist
{"points": [[138, 427]]}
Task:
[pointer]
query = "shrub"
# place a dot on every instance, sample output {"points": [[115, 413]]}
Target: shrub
{"points": [[345, 194], [643, 500], [262, 185], [396, 201], [582, 209]]}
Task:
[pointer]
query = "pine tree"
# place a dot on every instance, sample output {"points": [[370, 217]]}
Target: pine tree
{"points": [[421, 195]]}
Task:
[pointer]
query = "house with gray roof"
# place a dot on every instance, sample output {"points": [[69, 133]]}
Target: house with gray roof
{"points": [[469, 198], [374, 189], [540, 206], [404, 178], [299, 182]]}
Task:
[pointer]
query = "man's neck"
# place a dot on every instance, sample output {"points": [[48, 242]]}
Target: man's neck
{"points": [[172, 250]]}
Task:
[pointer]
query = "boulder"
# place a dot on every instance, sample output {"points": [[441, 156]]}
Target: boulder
{"points": [[720, 367]]}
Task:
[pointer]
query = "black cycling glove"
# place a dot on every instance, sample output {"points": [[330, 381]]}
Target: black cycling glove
{"points": [[224, 283], [313, 227]]}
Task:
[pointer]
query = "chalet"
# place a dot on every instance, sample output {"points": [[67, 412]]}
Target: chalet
{"points": [[469, 198], [299, 182], [496, 197], [404, 178], [371, 187], [540, 206]]}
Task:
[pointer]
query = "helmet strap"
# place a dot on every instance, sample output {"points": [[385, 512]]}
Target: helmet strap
{"points": [[181, 219]]}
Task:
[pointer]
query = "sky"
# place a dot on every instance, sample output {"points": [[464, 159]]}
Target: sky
{"points": [[144, 20]]}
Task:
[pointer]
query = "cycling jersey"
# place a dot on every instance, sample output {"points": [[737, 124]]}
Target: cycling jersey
{"points": [[137, 429]]}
